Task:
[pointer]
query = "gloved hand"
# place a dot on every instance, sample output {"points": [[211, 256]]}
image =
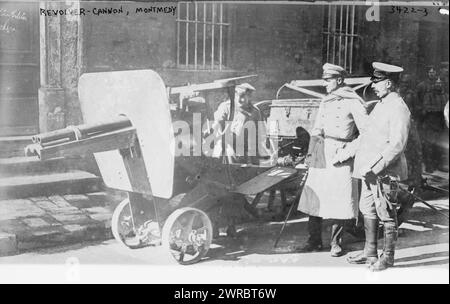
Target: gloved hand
{"points": [[286, 161], [308, 160], [369, 175]]}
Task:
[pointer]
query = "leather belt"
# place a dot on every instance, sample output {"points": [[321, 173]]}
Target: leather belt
{"points": [[339, 139]]}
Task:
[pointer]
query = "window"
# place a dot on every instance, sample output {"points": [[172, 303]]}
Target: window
{"points": [[340, 35], [203, 34]]}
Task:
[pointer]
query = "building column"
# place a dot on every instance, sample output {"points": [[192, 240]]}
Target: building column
{"points": [[60, 55]]}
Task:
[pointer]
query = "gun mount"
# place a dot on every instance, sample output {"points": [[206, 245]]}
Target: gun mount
{"points": [[128, 128]]}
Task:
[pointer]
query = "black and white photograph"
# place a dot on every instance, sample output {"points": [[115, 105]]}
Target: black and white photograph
{"points": [[224, 142]]}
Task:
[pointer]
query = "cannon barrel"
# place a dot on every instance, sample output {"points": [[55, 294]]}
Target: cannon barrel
{"points": [[85, 130], [117, 133]]}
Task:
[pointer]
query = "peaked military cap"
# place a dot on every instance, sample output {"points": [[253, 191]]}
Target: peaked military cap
{"points": [[382, 71], [332, 71]]}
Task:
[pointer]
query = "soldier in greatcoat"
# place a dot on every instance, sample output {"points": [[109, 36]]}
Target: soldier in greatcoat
{"points": [[329, 192]]}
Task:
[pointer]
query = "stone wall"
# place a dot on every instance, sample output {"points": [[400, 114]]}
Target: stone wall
{"points": [[411, 40], [277, 42]]}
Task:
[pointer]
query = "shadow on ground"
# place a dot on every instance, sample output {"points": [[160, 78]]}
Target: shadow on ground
{"points": [[423, 227], [418, 260]]}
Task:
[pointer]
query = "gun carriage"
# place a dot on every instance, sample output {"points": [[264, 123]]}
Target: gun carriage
{"points": [[173, 201]]}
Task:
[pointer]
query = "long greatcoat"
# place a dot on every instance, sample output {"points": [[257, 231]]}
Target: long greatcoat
{"points": [[328, 191]]}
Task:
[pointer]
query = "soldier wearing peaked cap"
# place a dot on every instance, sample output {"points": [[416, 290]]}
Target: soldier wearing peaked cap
{"points": [[236, 144], [329, 191], [432, 98], [380, 163], [333, 71]]}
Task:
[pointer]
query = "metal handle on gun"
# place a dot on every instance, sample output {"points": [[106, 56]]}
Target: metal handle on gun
{"points": [[433, 188], [423, 202], [294, 203], [379, 180]]}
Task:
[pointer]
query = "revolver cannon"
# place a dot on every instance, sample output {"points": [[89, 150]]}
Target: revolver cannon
{"points": [[128, 128]]}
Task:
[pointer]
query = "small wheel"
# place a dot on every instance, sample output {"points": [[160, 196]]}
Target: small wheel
{"points": [[187, 235], [125, 232]]}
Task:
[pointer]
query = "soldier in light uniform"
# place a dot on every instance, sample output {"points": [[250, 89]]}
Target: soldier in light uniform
{"points": [[329, 191], [380, 162], [432, 98], [244, 112]]}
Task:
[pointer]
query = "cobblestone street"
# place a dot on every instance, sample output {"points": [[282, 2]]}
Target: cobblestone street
{"points": [[39, 222]]}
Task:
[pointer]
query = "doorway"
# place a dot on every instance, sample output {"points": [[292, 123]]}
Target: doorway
{"points": [[19, 68]]}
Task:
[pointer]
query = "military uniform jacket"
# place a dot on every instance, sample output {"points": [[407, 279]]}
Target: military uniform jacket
{"points": [[239, 144], [431, 98], [381, 146]]}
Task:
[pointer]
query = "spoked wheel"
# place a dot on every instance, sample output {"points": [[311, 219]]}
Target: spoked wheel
{"points": [[187, 235], [127, 234]]}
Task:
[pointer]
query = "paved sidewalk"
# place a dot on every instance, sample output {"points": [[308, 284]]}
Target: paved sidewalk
{"points": [[39, 222]]}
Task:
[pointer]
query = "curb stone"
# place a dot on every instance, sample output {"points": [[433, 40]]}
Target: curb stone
{"points": [[67, 234], [8, 244]]}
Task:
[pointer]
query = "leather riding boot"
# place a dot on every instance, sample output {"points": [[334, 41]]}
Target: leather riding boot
{"points": [[355, 229], [390, 239], [369, 255], [337, 229], [315, 230], [314, 242]]}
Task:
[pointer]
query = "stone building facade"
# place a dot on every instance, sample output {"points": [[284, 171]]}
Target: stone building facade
{"points": [[278, 42]]}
